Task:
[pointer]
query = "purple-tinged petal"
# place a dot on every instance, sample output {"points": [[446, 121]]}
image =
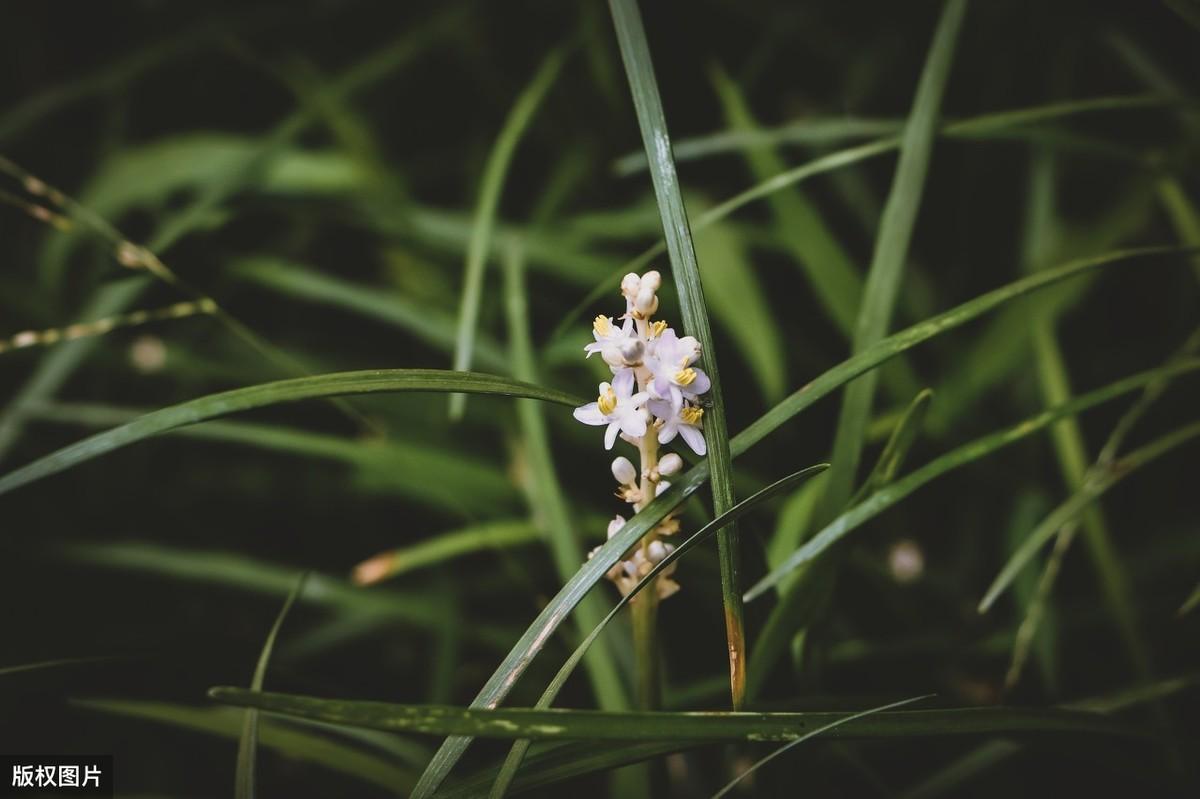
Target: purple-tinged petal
{"points": [[701, 384], [694, 438], [623, 382], [667, 433]]}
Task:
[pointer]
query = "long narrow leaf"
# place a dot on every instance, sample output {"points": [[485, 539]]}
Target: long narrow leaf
{"points": [[513, 761], [814, 733], [556, 611], [242, 399], [547, 498], [248, 745], [659, 726], [1078, 502], [967, 453], [515, 125], [635, 52]]}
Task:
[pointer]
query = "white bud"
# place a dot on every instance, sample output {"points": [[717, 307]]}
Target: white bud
{"points": [[612, 356], [646, 302], [630, 285], [632, 351], [656, 551], [623, 470], [661, 487], [615, 525], [669, 464], [652, 279]]}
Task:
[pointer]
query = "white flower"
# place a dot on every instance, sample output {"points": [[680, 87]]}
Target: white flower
{"points": [[674, 377], [612, 341], [684, 421], [615, 525], [618, 407]]}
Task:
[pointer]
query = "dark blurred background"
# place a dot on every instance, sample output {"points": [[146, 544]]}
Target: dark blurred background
{"points": [[174, 555]]}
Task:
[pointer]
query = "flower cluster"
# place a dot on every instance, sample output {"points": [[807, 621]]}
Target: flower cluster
{"points": [[654, 397]]}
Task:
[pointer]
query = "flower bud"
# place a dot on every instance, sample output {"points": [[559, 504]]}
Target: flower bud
{"points": [[656, 552], [612, 356], [616, 524], [623, 470], [652, 279], [661, 487], [632, 352], [646, 302], [669, 464], [630, 285]]}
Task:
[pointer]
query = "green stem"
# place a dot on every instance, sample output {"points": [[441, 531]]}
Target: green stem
{"points": [[645, 607]]}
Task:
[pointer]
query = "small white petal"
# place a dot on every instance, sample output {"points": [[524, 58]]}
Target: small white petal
{"points": [[623, 382], [615, 525], [662, 486], [610, 435], [694, 438], [633, 423], [590, 414]]}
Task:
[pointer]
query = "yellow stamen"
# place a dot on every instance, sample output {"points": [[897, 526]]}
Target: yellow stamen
{"points": [[685, 377], [657, 328], [607, 402], [602, 326], [691, 415]]}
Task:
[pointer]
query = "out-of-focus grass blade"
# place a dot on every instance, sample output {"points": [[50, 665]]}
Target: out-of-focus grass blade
{"points": [[242, 399], [817, 131], [1088, 493], [1040, 244], [534, 638], [431, 325], [303, 743], [558, 762], [54, 369], [896, 450], [597, 725], [509, 770], [438, 477], [248, 744], [635, 53], [818, 166], [967, 453], [547, 498], [1003, 347], [891, 249], [58, 364], [803, 599], [1191, 602], [417, 609], [445, 546], [834, 278], [515, 125], [818, 731], [53, 664], [739, 304], [951, 778], [1036, 633]]}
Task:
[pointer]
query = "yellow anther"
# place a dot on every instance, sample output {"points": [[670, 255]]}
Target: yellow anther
{"points": [[685, 377], [657, 328], [691, 415], [607, 402], [602, 326]]}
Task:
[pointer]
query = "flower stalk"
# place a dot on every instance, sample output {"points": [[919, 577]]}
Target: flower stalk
{"points": [[654, 398]]}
